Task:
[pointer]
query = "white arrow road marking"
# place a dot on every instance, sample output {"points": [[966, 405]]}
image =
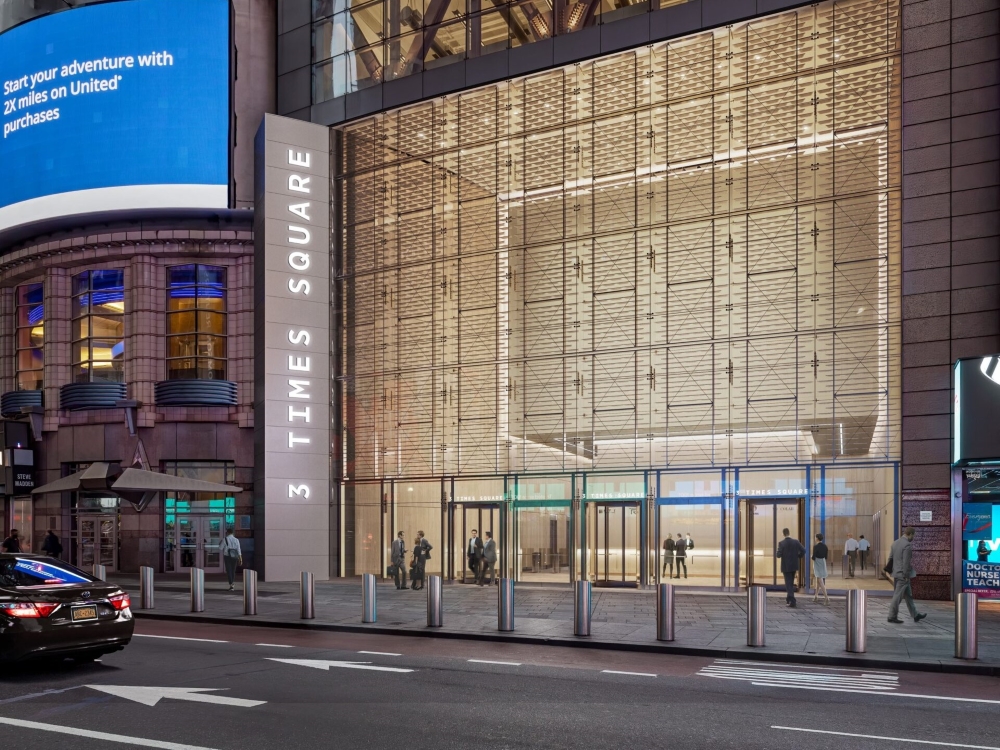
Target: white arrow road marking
{"points": [[121, 738], [325, 665], [888, 739], [150, 696]]}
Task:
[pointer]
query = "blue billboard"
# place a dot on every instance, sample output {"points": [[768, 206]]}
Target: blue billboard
{"points": [[115, 106]]}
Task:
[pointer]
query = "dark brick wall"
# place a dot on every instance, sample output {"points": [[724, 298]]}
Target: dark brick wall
{"points": [[951, 253]]}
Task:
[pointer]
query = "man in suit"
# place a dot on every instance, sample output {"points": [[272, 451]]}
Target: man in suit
{"points": [[398, 559], [790, 551], [489, 563], [902, 573], [474, 553]]}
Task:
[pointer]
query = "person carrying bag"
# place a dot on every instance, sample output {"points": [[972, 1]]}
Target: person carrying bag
{"points": [[232, 556]]}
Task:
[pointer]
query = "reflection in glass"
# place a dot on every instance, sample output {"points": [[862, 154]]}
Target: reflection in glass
{"points": [[30, 337], [98, 349], [196, 322]]}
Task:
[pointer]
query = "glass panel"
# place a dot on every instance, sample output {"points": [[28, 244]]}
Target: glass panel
{"points": [[212, 533], [107, 326], [81, 328], [182, 298], [211, 346], [212, 369], [181, 346], [30, 381], [181, 322], [81, 283], [81, 352], [88, 542], [330, 79], [544, 488], [212, 322], [188, 540], [698, 529], [364, 537], [543, 553], [418, 508], [365, 67], [765, 544], [170, 539], [107, 540]]}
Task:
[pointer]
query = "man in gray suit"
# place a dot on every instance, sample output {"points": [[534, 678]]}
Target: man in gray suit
{"points": [[398, 560], [902, 573], [489, 563]]}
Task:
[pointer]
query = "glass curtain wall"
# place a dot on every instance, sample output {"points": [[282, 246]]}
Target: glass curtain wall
{"points": [[679, 257]]}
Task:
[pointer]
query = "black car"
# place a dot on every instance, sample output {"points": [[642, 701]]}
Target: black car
{"points": [[48, 608]]}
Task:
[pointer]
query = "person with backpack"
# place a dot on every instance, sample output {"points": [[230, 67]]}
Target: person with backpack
{"points": [[668, 555], [680, 553], [232, 556], [51, 545]]}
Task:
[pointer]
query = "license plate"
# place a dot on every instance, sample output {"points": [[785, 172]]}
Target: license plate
{"points": [[84, 613]]}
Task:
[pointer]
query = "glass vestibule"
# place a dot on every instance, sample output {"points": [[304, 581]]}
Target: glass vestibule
{"points": [[696, 523], [543, 534]]}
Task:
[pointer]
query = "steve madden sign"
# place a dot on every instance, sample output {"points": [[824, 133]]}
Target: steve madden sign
{"points": [[292, 342]]}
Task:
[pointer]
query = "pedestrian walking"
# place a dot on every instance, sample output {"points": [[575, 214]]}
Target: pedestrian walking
{"points": [[397, 558], [790, 551], [51, 545], [474, 555], [680, 555], [11, 543], [901, 565], [819, 557], [864, 546], [851, 550], [418, 564], [668, 555], [232, 556], [489, 563]]}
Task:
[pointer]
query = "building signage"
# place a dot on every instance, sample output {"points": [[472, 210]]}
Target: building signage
{"points": [[981, 548], [976, 410], [292, 348]]}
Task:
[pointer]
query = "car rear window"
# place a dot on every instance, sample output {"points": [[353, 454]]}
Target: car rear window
{"points": [[40, 571]]}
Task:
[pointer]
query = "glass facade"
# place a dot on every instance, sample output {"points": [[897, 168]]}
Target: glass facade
{"points": [[99, 326], [682, 258], [196, 322], [360, 44], [30, 342]]}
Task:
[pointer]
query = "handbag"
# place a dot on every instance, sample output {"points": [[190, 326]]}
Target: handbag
{"points": [[391, 571]]}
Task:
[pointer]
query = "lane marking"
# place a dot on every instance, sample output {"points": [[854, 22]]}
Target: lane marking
{"points": [[888, 739], [633, 674], [325, 665], [177, 638], [42, 694], [503, 663], [379, 653], [806, 666], [150, 696], [274, 645], [120, 738], [876, 692]]}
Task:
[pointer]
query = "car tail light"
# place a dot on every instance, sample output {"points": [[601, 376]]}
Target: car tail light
{"points": [[120, 601], [28, 610]]}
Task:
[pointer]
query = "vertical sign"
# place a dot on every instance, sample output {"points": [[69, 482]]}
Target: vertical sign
{"points": [[292, 349]]}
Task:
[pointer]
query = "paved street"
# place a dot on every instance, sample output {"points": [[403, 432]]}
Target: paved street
{"points": [[278, 688], [714, 621]]}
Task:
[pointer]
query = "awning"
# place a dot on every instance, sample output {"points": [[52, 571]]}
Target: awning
{"points": [[140, 480]]}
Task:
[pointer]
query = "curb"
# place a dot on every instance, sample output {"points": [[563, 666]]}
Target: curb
{"points": [[940, 667]]}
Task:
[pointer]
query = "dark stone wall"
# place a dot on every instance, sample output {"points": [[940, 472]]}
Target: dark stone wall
{"points": [[951, 253]]}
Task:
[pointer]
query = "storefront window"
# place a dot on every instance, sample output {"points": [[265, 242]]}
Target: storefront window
{"points": [[99, 326], [196, 323], [30, 337]]}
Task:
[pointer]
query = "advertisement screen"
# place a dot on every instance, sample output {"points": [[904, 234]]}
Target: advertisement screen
{"points": [[981, 553], [115, 106]]}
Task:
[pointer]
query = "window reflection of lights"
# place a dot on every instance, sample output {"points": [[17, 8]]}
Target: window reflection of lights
{"points": [[575, 20]]}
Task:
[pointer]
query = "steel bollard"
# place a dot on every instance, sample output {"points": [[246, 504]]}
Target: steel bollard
{"points": [[505, 605], [756, 615], [581, 608], [100, 572], [369, 604], [249, 592], [857, 621], [435, 618], [665, 612], [197, 590], [145, 587], [307, 596], [967, 626]]}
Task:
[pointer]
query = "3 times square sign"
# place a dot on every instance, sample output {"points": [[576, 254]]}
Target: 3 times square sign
{"points": [[292, 347]]}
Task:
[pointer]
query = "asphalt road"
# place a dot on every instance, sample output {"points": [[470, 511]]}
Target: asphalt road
{"points": [[446, 694]]}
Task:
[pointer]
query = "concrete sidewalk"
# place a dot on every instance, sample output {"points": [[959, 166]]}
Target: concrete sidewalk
{"points": [[707, 624]]}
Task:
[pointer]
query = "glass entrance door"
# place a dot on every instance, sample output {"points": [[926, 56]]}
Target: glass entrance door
{"points": [[762, 522], [97, 543], [613, 529], [482, 517], [197, 543]]}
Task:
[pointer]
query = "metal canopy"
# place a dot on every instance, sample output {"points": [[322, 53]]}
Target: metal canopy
{"points": [[137, 486]]}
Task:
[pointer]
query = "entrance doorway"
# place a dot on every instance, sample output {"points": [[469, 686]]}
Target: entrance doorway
{"points": [[762, 522], [543, 546], [193, 542], [97, 541], [613, 529], [482, 517]]}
